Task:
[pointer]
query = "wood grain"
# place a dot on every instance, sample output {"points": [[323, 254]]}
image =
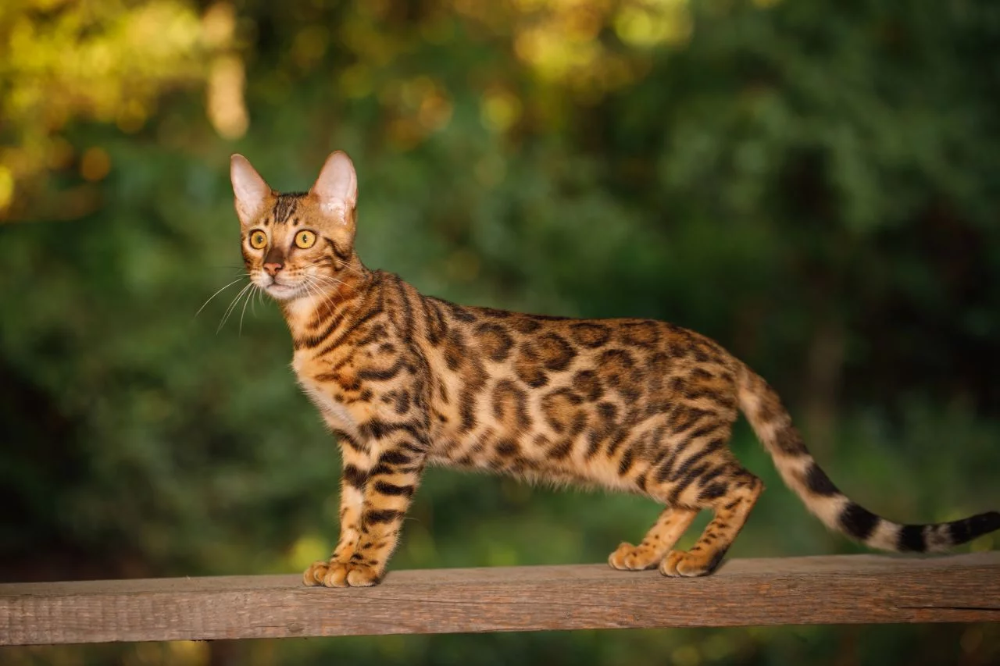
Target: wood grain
{"points": [[811, 590]]}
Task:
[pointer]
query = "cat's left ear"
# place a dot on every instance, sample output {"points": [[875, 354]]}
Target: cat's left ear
{"points": [[337, 188], [251, 192]]}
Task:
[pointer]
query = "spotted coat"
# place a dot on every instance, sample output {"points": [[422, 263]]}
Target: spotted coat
{"points": [[407, 380]]}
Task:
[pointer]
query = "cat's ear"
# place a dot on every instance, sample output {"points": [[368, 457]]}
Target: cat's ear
{"points": [[337, 187], [251, 192]]}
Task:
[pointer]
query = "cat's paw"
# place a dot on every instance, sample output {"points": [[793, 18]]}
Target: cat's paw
{"points": [[679, 563], [350, 575], [313, 576], [340, 574], [634, 558]]}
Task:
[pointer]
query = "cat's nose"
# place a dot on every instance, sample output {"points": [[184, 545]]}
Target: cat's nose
{"points": [[272, 269]]}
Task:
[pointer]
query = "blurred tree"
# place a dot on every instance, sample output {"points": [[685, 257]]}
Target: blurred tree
{"points": [[65, 61]]}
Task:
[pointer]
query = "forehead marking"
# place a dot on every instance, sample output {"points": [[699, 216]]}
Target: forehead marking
{"points": [[285, 206]]}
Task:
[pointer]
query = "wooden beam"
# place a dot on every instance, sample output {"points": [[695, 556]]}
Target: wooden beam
{"points": [[809, 590]]}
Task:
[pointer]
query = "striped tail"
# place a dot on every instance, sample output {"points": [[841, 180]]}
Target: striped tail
{"points": [[773, 426]]}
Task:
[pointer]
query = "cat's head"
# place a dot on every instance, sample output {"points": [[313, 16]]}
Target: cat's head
{"points": [[296, 244]]}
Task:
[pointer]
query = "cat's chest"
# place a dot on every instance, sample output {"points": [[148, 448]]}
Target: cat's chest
{"points": [[324, 396]]}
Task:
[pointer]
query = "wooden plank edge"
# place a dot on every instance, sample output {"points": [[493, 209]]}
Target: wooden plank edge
{"points": [[854, 589]]}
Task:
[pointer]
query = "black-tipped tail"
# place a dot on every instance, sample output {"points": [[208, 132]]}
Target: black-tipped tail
{"points": [[862, 525], [821, 496], [975, 526]]}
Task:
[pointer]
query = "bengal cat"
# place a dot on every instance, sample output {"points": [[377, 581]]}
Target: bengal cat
{"points": [[406, 380]]}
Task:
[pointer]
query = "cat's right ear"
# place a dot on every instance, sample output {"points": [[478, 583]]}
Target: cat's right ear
{"points": [[337, 188], [251, 192]]}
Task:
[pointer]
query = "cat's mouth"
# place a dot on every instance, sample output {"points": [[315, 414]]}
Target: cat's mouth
{"points": [[282, 291], [281, 288], [284, 287]]}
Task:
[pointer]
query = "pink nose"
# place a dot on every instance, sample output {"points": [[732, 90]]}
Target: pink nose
{"points": [[272, 269]]}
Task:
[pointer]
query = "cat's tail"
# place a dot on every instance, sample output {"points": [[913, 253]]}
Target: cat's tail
{"points": [[800, 472]]}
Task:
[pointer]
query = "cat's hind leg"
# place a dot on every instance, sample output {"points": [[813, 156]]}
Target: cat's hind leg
{"points": [[693, 470], [671, 524], [731, 496]]}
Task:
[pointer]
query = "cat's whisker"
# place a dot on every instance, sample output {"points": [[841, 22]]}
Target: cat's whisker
{"points": [[306, 286], [329, 297], [232, 306], [346, 266], [217, 293], [326, 296], [322, 281], [329, 280], [309, 284], [239, 268], [259, 298], [255, 296], [250, 295]]}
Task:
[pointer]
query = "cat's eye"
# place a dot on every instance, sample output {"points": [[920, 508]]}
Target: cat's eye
{"points": [[305, 239], [258, 239]]}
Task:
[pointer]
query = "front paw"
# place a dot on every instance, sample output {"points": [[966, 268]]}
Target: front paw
{"points": [[351, 575], [314, 575], [697, 562], [340, 574]]}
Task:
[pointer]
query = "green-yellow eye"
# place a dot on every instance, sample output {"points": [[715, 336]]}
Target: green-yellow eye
{"points": [[305, 239], [258, 239]]}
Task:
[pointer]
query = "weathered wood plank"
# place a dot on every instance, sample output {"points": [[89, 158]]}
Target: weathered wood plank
{"points": [[812, 590]]}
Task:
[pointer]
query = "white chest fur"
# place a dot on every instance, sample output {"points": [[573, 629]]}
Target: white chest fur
{"points": [[334, 413]]}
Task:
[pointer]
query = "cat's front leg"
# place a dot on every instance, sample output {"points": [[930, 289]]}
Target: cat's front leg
{"points": [[357, 464], [399, 457]]}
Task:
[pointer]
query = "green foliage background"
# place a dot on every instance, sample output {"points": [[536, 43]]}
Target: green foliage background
{"points": [[815, 184]]}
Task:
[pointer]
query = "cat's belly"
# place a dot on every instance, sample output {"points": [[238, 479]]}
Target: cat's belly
{"points": [[527, 457]]}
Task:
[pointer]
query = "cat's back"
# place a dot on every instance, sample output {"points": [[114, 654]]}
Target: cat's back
{"points": [[538, 348]]}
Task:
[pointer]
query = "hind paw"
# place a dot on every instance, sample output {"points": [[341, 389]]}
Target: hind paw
{"points": [[634, 558]]}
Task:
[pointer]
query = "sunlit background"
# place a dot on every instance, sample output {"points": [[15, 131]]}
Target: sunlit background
{"points": [[814, 183]]}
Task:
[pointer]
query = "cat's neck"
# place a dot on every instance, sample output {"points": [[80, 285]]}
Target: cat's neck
{"points": [[337, 297]]}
